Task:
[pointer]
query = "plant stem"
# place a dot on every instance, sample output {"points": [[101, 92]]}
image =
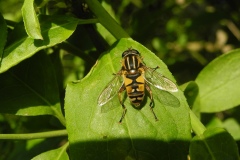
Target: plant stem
{"points": [[65, 146], [59, 115], [106, 20], [27, 136], [197, 126]]}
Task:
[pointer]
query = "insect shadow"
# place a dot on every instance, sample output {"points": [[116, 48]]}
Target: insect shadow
{"points": [[165, 98]]}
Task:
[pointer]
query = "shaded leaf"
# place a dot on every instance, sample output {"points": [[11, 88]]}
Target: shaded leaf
{"points": [[24, 150], [214, 143], [97, 135], [30, 20], [55, 29], [190, 91], [30, 88], [219, 84], [3, 36]]}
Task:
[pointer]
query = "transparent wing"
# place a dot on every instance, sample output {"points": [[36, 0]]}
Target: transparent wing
{"points": [[158, 80], [166, 98], [110, 105], [111, 90]]}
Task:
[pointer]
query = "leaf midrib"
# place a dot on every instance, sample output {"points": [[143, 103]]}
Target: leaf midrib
{"points": [[207, 146]]}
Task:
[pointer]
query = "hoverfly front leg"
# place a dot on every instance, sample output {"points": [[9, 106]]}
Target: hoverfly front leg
{"points": [[151, 98], [154, 69], [121, 102]]}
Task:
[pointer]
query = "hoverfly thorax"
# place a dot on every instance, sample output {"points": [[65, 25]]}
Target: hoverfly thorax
{"points": [[131, 61]]}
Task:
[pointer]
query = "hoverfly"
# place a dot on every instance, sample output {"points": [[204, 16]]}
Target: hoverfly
{"points": [[135, 77]]}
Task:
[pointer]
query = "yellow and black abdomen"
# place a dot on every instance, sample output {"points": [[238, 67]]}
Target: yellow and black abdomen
{"points": [[135, 85]]}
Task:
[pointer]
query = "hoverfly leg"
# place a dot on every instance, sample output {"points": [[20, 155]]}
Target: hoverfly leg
{"points": [[151, 108], [154, 69], [123, 114], [121, 102], [151, 103]]}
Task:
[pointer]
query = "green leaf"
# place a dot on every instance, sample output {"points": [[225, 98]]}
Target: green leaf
{"points": [[219, 84], [214, 122], [30, 89], [190, 91], [56, 154], [214, 144], [24, 150], [55, 29], [3, 36], [232, 126], [97, 135], [30, 20]]}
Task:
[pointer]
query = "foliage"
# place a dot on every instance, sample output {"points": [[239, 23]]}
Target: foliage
{"points": [[57, 56]]}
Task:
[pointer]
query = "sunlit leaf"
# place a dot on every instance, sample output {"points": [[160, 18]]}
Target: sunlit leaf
{"points": [[97, 135], [232, 126], [56, 154], [215, 122], [55, 29], [219, 84], [30, 20]]}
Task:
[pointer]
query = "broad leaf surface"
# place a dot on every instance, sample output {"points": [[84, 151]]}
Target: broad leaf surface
{"points": [[214, 143], [30, 88], [219, 84], [232, 126], [97, 135], [56, 154], [30, 20], [55, 29]]}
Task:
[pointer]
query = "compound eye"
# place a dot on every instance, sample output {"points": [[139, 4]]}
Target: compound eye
{"points": [[135, 51], [124, 53], [129, 52]]}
